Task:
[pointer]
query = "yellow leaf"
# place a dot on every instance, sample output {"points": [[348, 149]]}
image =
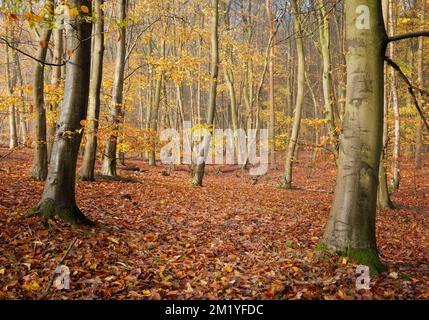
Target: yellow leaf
{"points": [[111, 239], [228, 268], [2, 271], [31, 286], [147, 293]]}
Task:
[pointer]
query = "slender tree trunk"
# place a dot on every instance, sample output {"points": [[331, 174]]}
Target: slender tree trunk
{"points": [[383, 197], [351, 226], [153, 121], [108, 167], [59, 192], [328, 89], [229, 77], [13, 136], [21, 120], [395, 104], [11, 83], [40, 160], [199, 174], [272, 125], [418, 163], [299, 98], [88, 164]]}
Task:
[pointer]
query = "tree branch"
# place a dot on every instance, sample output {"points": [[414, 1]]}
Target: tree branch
{"points": [[423, 33], [396, 67], [30, 56]]}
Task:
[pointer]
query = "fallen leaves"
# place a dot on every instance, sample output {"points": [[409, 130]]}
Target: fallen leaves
{"points": [[228, 240]]}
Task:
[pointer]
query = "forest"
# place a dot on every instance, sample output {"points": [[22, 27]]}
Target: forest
{"points": [[214, 149]]}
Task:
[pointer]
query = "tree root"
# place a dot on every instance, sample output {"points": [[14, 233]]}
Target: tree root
{"points": [[364, 256], [48, 209]]}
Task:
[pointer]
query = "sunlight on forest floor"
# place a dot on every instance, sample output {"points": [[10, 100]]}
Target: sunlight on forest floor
{"points": [[232, 239]]}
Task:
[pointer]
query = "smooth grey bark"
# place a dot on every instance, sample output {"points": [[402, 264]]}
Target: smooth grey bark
{"points": [[88, 163], [58, 197], [418, 163], [39, 168], [154, 110], [299, 98], [272, 124], [214, 73], [328, 89], [395, 105], [229, 74], [58, 56], [350, 229], [21, 120], [11, 83], [383, 196], [108, 167]]}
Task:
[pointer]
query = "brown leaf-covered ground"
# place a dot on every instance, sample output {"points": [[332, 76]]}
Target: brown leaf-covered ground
{"points": [[159, 238]]}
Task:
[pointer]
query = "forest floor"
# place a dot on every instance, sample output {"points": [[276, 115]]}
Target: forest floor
{"points": [[157, 237]]}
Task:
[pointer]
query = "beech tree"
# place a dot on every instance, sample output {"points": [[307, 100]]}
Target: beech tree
{"points": [[350, 229], [39, 169], [88, 164], [199, 171], [108, 167], [58, 197], [293, 140]]}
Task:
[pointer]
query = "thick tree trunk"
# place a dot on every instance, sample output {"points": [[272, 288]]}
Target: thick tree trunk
{"points": [[199, 174], [40, 159], [299, 98], [57, 34], [351, 226], [59, 192], [88, 164], [108, 167]]}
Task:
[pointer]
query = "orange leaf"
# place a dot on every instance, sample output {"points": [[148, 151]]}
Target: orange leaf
{"points": [[84, 9]]}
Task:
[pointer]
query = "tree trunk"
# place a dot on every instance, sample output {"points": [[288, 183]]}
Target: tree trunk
{"points": [[299, 98], [421, 83], [153, 117], [59, 192], [271, 134], [40, 159], [351, 226], [328, 89], [108, 167], [56, 80], [395, 104], [383, 198], [88, 164], [199, 174], [11, 83]]}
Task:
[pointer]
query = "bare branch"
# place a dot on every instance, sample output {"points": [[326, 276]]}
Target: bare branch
{"points": [[409, 35], [396, 67], [29, 55]]}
